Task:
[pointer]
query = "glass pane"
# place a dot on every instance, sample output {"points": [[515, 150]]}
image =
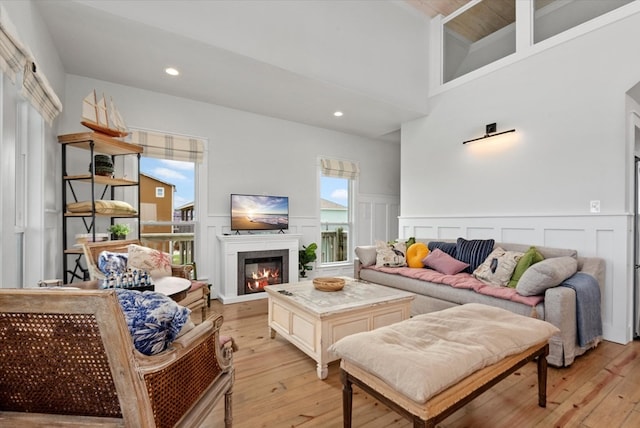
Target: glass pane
{"points": [[334, 219], [555, 16], [479, 36], [167, 207]]}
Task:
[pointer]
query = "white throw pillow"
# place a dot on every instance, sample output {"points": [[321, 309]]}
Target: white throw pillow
{"points": [[157, 263], [546, 274], [367, 254], [391, 255], [498, 267]]}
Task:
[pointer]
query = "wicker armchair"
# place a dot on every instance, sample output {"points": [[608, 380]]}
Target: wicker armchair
{"points": [[67, 358], [195, 299]]}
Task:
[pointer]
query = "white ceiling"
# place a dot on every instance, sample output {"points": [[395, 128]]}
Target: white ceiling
{"points": [[127, 43]]}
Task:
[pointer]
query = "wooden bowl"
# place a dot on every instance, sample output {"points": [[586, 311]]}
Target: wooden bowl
{"points": [[328, 283]]}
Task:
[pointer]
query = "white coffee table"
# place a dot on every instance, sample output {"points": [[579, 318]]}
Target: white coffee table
{"points": [[313, 320]]}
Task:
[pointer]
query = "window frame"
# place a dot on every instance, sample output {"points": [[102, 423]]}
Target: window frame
{"points": [[351, 201]]}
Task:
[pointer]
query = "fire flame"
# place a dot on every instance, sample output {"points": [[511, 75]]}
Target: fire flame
{"points": [[263, 278]]}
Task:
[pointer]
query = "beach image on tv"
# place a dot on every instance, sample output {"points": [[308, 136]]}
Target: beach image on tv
{"points": [[256, 212]]}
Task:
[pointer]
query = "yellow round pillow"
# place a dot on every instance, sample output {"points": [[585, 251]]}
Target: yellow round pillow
{"points": [[416, 254]]}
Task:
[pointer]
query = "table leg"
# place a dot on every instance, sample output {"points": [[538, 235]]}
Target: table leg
{"points": [[323, 371]]}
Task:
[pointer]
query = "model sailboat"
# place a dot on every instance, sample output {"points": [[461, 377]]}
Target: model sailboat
{"points": [[96, 116]]}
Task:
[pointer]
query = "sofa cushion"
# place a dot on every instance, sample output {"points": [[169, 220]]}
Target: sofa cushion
{"points": [[530, 257], [473, 252], [546, 274], [367, 254], [498, 267], [447, 247], [415, 254], [157, 263], [390, 254], [442, 262]]}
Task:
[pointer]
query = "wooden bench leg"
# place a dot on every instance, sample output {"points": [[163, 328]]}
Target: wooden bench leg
{"points": [[542, 379], [347, 396]]}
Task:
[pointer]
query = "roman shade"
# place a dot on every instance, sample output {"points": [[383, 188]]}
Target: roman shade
{"points": [[37, 90], [15, 58], [13, 54], [169, 146], [339, 168]]}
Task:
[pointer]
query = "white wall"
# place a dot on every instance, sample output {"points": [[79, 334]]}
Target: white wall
{"points": [[249, 153], [366, 46], [36, 142], [567, 104]]}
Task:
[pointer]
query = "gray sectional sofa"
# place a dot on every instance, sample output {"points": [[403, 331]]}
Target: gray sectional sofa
{"points": [[558, 307]]}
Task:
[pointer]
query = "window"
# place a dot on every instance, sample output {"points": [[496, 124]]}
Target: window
{"points": [[480, 35], [336, 213], [555, 16], [162, 226], [167, 192]]}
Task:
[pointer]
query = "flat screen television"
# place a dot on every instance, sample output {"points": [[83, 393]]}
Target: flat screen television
{"points": [[259, 212]]}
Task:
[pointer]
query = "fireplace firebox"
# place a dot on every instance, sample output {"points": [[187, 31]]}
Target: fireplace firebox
{"points": [[257, 269]]}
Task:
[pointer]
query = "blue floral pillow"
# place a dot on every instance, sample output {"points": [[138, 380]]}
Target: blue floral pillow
{"points": [[112, 263], [154, 320]]}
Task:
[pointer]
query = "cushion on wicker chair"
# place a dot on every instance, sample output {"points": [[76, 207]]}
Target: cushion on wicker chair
{"points": [[154, 320]]}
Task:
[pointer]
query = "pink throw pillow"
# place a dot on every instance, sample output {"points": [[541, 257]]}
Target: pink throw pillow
{"points": [[442, 262]]}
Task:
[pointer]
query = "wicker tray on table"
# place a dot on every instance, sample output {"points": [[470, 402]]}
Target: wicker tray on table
{"points": [[328, 283]]}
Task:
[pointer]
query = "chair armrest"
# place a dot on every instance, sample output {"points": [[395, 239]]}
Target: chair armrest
{"points": [[185, 343], [191, 368], [357, 265], [182, 271]]}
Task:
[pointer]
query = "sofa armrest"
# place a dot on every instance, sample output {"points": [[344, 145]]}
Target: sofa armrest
{"points": [[357, 266], [594, 266], [560, 310]]}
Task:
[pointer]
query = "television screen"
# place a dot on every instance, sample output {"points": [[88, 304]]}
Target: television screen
{"points": [[258, 212]]}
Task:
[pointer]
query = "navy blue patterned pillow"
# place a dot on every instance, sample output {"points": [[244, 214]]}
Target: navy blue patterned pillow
{"points": [[112, 263], [474, 252], [154, 320], [445, 247]]}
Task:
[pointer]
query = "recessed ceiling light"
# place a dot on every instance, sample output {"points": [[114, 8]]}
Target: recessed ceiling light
{"points": [[171, 71], [338, 114]]}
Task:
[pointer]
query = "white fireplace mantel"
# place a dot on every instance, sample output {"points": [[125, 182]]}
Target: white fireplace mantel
{"points": [[231, 245]]}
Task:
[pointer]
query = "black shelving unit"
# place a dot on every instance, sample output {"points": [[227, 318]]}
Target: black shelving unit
{"points": [[101, 187]]}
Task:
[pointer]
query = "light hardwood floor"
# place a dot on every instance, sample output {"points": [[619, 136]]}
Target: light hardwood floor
{"points": [[276, 386]]}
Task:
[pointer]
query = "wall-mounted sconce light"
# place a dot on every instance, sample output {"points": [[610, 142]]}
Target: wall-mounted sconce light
{"points": [[489, 132]]}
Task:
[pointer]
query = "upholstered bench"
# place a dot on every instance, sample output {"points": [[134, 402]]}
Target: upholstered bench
{"points": [[429, 366]]}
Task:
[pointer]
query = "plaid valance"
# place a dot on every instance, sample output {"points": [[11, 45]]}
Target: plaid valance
{"points": [[37, 90], [16, 58], [339, 168], [169, 146]]}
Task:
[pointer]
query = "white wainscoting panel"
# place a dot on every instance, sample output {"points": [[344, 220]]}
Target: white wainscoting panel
{"points": [[377, 218], [605, 236]]}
